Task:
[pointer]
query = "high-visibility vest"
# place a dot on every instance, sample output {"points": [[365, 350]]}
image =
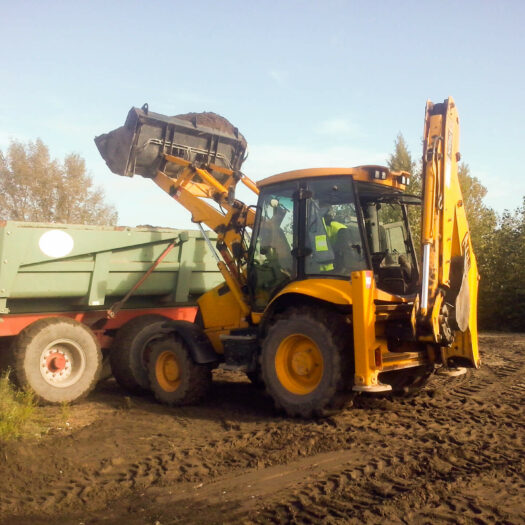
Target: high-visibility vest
{"points": [[328, 244], [332, 229]]}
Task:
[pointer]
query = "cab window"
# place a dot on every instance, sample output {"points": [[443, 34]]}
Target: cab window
{"points": [[333, 237]]}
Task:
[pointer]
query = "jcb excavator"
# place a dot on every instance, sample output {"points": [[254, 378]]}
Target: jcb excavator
{"points": [[324, 294]]}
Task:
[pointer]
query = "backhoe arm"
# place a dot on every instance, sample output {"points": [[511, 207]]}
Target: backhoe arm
{"points": [[448, 301]]}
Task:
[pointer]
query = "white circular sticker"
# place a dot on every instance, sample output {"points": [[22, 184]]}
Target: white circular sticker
{"points": [[56, 243]]}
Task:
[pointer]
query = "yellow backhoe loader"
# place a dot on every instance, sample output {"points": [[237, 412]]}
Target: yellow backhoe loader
{"points": [[324, 294]]}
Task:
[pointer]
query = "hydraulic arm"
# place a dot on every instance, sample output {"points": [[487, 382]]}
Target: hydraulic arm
{"points": [[194, 164], [229, 224], [449, 280]]}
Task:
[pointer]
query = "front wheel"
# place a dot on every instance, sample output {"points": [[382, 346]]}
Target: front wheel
{"points": [[174, 377], [306, 361]]}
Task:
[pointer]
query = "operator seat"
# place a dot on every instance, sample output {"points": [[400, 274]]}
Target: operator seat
{"points": [[348, 250]]}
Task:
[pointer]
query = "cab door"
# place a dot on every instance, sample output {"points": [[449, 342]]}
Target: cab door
{"points": [[272, 263]]}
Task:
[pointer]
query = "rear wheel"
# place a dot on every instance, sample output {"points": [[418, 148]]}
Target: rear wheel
{"points": [[130, 351], [174, 377], [59, 359], [306, 361]]}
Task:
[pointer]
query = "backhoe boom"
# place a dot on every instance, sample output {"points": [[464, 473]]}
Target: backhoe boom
{"points": [[449, 273]]}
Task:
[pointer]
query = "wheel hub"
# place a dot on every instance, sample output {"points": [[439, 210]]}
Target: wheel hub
{"points": [[56, 362], [167, 371], [302, 362], [56, 365], [299, 364], [62, 363], [171, 370]]}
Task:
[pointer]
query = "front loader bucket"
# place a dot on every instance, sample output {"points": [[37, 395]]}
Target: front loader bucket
{"points": [[138, 147]]}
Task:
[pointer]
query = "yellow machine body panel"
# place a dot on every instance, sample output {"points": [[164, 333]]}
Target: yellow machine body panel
{"points": [[373, 173], [221, 313], [335, 291], [465, 343]]}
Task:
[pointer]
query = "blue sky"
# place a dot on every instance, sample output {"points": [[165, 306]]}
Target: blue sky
{"points": [[308, 83]]}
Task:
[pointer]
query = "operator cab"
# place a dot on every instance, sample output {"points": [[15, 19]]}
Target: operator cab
{"points": [[324, 223]]}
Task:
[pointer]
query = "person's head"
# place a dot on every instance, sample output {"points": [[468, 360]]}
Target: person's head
{"points": [[329, 216]]}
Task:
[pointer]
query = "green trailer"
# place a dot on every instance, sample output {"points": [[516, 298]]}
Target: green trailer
{"points": [[73, 294]]}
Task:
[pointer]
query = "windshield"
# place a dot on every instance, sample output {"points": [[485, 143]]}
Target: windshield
{"points": [[388, 238]]}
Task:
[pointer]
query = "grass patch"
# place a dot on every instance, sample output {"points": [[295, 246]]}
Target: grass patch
{"points": [[17, 410], [65, 412]]}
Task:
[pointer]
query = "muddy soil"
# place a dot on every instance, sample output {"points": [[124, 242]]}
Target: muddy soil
{"points": [[453, 454]]}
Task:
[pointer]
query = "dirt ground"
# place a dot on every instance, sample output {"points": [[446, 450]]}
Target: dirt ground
{"points": [[453, 454]]}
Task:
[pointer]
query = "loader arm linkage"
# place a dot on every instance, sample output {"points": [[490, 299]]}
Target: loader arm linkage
{"points": [[229, 225]]}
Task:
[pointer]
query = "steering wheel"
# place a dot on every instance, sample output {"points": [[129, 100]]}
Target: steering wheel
{"points": [[377, 258]]}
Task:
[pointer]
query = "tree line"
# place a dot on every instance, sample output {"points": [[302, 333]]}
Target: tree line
{"points": [[35, 187]]}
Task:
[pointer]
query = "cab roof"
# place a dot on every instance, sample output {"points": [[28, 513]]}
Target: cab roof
{"points": [[369, 173]]}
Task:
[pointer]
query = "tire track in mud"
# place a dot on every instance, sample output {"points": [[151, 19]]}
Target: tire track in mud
{"points": [[93, 487], [446, 452], [451, 473], [424, 484], [373, 489], [399, 494]]}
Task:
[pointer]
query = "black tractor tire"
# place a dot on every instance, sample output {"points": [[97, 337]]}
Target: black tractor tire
{"points": [[175, 379], [58, 359], [307, 362], [6, 355], [130, 351]]}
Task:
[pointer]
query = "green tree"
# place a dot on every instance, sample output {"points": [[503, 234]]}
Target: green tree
{"points": [[401, 159], [35, 187], [502, 287]]}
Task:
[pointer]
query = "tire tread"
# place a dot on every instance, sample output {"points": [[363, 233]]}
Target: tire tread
{"points": [[120, 354], [334, 330], [27, 336], [192, 390]]}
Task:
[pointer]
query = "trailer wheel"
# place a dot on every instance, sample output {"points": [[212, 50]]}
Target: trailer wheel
{"points": [[306, 361], [174, 377], [57, 358], [130, 351]]}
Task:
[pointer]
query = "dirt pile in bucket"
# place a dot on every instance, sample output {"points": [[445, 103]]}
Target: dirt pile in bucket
{"points": [[214, 121]]}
